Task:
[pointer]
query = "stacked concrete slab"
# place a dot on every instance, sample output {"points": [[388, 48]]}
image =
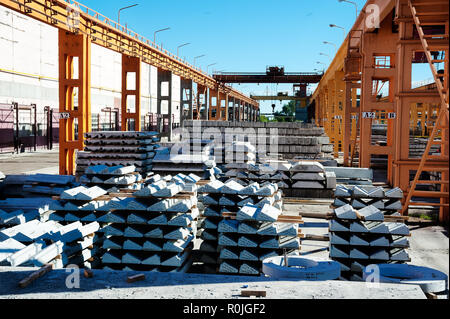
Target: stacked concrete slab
{"points": [[37, 243], [166, 162], [112, 178], [388, 201], [16, 211], [359, 237], [236, 152], [294, 140], [118, 148], [37, 185], [241, 226], [296, 179], [154, 228], [351, 175], [417, 147]]}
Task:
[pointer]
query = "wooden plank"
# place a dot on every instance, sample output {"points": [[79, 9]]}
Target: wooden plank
{"points": [[305, 201], [327, 215], [317, 237], [256, 293], [138, 277], [281, 219], [88, 273], [39, 273]]}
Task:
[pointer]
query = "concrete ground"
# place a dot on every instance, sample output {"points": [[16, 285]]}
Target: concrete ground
{"points": [[113, 285], [429, 246], [41, 161]]}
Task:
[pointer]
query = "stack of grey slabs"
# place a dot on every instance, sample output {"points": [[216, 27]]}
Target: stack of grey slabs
{"points": [[118, 149], [112, 178], [240, 228], [38, 243], [360, 236], [387, 201], [155, 229]]}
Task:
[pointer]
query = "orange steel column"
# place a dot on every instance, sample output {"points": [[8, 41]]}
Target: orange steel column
{"points": [[339, 111], [73, 83], [226, 106], [131, 65], [374, 77]]}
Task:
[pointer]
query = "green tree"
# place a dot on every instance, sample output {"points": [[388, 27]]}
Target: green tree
{"points": [[287, 113]]}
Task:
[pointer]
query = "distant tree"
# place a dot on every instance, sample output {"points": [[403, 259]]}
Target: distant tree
{"points": [[287, 113], [263, 118]]}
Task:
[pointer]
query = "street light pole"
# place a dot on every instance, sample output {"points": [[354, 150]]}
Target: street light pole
{"points": [[178, 48], [354, 3], [197, 57], [209, 66], [325, 55], [118, 14], [335, 46], [318, 62], [154, 34], [336, 26]]}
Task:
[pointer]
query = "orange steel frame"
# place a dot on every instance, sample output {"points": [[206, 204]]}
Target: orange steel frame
{"points": [[79, 26], [356, 69]]}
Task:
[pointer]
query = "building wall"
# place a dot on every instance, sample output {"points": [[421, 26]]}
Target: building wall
{"points": [[29, 69]]}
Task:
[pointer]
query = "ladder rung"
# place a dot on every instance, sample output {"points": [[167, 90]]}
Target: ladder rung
{"points": [[426, 204], [432, 182], [424, 14], [431, 36], [437, 61], [433, 194]]}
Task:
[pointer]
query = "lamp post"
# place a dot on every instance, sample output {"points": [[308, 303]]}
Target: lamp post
{"points": [[335, 46], [118, 14], [354, 3], [325, 55], [336, 26], [198, 57], [154, 34], [318, 62], [207, 67], [178, 48]]}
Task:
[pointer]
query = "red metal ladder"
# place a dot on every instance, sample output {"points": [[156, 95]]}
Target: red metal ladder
{"points": [[442, 125]]}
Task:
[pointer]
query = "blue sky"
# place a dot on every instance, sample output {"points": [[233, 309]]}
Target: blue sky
{"points": [[241, 35]]}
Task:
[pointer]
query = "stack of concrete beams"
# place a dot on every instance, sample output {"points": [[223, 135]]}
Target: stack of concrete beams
{"points": [[37, 185], [154, 228], [362, 237], [351, 175], [261, 173], [16, 211], [388, 201], [167, 163], [417, 147], [241, 226], [112, 178], [118, 148], [38, 243], [236, 152], [294, 140], [297, 179]]}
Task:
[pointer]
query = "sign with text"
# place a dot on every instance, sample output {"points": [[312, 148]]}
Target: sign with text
{"points": [[368, 115], [64, 116]]}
